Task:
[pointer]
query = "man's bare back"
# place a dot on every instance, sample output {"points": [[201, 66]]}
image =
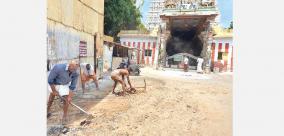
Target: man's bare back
{"points": [[118, 75]]}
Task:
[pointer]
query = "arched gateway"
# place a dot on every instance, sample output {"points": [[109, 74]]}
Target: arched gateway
{"points": [[187, 28]]}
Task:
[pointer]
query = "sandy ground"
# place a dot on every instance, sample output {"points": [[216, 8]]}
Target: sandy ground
{"points": [[174, 104]]}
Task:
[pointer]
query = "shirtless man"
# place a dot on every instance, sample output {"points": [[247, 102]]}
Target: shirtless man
{"points": [[88, 73], [118, 75]]}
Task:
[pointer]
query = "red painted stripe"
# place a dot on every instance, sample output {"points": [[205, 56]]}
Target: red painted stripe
{"points": [[147, 59], [212, 54], [219, 50], [153, 55], [133, 45], [138, 53], [226, 51], [143, 53], [128, 44], [220, 47]]}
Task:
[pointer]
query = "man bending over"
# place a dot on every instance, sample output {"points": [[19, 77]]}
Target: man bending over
{"points": [[118, 75], [88, 73], [62, 81]]}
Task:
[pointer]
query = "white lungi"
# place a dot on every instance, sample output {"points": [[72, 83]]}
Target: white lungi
{"points": [[62, 89]]}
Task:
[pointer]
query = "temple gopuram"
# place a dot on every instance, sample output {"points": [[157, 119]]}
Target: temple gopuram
{"points": [[187, 28]]}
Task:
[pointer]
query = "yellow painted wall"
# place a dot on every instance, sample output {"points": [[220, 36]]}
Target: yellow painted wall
{"points": [[83, 18]]}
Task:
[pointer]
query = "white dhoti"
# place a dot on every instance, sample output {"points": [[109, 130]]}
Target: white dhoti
{"points": [[62, 89], [199, 65]]}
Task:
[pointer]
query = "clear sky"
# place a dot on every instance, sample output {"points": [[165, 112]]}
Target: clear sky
{"points": [[225, 7]]}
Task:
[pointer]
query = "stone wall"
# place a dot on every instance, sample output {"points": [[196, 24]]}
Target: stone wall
{"points": [[72, 21]]}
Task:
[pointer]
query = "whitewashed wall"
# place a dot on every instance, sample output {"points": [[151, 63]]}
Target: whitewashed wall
{"points": [[149, 43], [219, 45]]}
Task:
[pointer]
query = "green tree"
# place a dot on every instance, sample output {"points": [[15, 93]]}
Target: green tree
{"points": [[119, 15], [142, 28]]}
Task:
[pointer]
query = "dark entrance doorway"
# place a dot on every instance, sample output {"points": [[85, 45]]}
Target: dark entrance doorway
{"points": [[184, 41]]}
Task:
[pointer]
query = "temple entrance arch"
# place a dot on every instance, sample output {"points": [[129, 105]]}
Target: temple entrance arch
{"points": [[188, 31]]}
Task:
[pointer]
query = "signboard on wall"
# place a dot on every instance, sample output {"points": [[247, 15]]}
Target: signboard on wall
{"points": [[83, 49]]}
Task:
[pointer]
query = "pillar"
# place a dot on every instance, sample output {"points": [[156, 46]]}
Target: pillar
{"points": [[163, 47], [206, 37]]}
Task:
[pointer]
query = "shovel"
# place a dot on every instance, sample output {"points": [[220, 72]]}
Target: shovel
{"points": [[88, 119], [134, 88]]}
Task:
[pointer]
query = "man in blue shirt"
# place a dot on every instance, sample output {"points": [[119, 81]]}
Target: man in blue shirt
{"points": [[62, 80]]}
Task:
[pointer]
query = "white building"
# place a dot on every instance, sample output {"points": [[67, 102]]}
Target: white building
{"points": [[146, 43], [153, 19], [222, 50]]}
